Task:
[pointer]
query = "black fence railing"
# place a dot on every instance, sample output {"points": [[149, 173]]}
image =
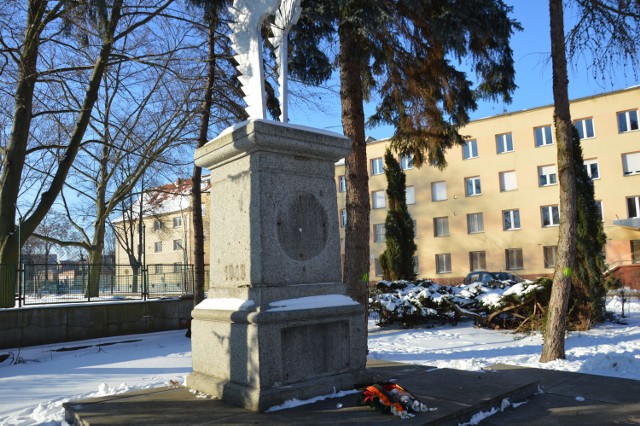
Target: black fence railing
{"points": [[80, 282]]}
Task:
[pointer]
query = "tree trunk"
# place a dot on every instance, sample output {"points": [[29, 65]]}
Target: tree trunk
{"points": [[356, 265], [554, 335], [196, 194]]}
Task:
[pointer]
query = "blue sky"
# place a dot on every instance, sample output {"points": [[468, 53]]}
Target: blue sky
{"points": [[533, 75]]}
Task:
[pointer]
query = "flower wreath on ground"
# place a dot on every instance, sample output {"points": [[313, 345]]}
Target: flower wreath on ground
{"points": [[393, 398]]}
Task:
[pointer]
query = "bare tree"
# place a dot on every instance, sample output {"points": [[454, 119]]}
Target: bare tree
{"points": [[51, 29]]}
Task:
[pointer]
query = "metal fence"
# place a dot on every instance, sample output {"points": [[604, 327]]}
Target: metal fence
{"points": [[81, 282]]}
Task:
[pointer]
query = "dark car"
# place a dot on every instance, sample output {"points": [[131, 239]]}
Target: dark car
{"points": [[492, 278]]}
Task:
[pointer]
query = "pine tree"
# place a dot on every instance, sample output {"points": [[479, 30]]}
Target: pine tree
{"points": [[397, 260], [402, 50], [588, 290]]}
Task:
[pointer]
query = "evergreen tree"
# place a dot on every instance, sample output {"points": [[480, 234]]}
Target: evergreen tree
{"points": [[588, 290], [397, 260], [403, 51]]}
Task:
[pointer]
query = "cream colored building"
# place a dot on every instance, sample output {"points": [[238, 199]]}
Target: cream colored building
{"points": [[495, 206]]}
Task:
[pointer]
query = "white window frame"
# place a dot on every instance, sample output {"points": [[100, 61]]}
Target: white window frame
{"points": [[177, 221], [379, 233], [589, 167], [439, 189], [443, 263], [475, 223], [514, 216], [631, 163], [472, 186], [549, 173], [157, 247], [628, 125], [518, 263], [406, 161], [377, 166], [343, 217], [377, 267], [378, 199], [543, 136], [342, 183], [441, 226], [503, 140], [635, 251], [177, 244], [551, 215], [470, 149], [549, 256], [600, 209], [410, 195], [157, 225], [479, 257], [508, 181], [583, 128]]}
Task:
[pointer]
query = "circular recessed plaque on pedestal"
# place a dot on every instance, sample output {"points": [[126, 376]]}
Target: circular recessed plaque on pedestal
{"points": [[302, 226]]}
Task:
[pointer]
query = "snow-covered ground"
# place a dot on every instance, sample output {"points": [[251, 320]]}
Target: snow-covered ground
{"points": [[32, 391]]}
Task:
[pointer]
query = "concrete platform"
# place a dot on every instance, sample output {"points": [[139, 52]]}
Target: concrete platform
{"points": [[456, 394]]}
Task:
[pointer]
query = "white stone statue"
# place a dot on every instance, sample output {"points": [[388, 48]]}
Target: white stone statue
{"points": [[247, 42]]}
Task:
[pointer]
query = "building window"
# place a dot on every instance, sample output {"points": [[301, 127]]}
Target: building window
{"points": [[177, 222], [439, 191], [475, 223], [157, 225], [440, 226], [547, 175], [627, 121], [472, 186], [510, 219], [470, 149], [549, 254], [342, 183], [508, 181], [379, 200], [177, 244], [416, 265], [157, 246], [543, 135], [410, 194], [377, 166], [343, 217], [635, 251], [550, 215], [592, 168], [477, 261], [406, 161], [378, 233], [504, 143], [631, 163], [600, 210], [377, 267], [513, 258], [585, 128], [443, 263], [633, 207]]}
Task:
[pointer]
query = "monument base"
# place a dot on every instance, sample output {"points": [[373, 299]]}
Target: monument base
{"points": [[260, 359]]}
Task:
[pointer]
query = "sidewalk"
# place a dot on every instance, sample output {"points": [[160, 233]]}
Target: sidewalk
{"points": [[567, 399]]}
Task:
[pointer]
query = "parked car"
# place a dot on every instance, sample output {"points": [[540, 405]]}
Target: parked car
{"points": [[492, 278]]}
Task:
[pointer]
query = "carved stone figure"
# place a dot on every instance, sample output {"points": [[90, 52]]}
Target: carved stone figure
{"points": [[248, 16]]}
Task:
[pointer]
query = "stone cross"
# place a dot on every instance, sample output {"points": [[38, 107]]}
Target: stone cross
{"points": [[248, 16]]}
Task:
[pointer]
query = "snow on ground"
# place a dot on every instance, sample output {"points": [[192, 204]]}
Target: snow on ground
{"points": [[32, 391]]}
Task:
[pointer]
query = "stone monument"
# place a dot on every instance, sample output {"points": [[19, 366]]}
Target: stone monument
{"points": [[276, 324]]}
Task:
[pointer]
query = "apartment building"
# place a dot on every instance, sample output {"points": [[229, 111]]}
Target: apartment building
{"points": [[167, 233], [496, 205]]}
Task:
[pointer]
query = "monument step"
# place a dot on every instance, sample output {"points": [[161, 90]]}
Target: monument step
{"points": [[456, 395]]}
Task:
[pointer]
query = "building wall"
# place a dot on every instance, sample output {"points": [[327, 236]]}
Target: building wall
{"points": [[612, 187]]}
